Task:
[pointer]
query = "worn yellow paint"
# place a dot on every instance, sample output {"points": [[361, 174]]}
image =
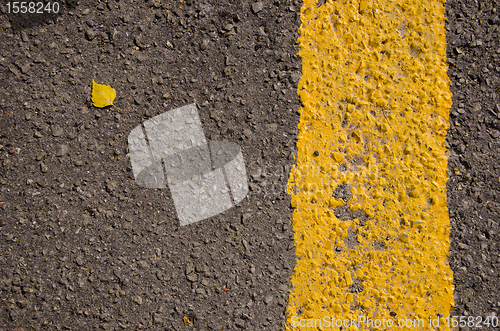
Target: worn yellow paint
{"points": [[376, 103]]}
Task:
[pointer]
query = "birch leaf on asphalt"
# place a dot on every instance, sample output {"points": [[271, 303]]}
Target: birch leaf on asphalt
{"points": [[102, 95]]}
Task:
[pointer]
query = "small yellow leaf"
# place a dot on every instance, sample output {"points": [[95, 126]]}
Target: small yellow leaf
{"points": [[102, 95]]}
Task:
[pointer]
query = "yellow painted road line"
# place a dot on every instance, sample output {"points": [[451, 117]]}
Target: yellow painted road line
{"points": [[371, 150]]}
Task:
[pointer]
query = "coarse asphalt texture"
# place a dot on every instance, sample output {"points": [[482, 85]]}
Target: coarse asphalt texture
{"points": [[83, 247]]}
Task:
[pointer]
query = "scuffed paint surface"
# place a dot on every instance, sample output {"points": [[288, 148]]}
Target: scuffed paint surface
{"points": [[369, 189]]}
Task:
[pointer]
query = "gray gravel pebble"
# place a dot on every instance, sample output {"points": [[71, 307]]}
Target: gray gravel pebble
{"points": [[57, 131], [41, 155], [257, 7], [43, 167], [268, 299], [90, 34], [137, 299], [62, 150]]}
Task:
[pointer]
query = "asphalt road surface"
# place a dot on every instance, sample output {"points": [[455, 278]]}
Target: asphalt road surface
{"points": [[84, 247]]}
